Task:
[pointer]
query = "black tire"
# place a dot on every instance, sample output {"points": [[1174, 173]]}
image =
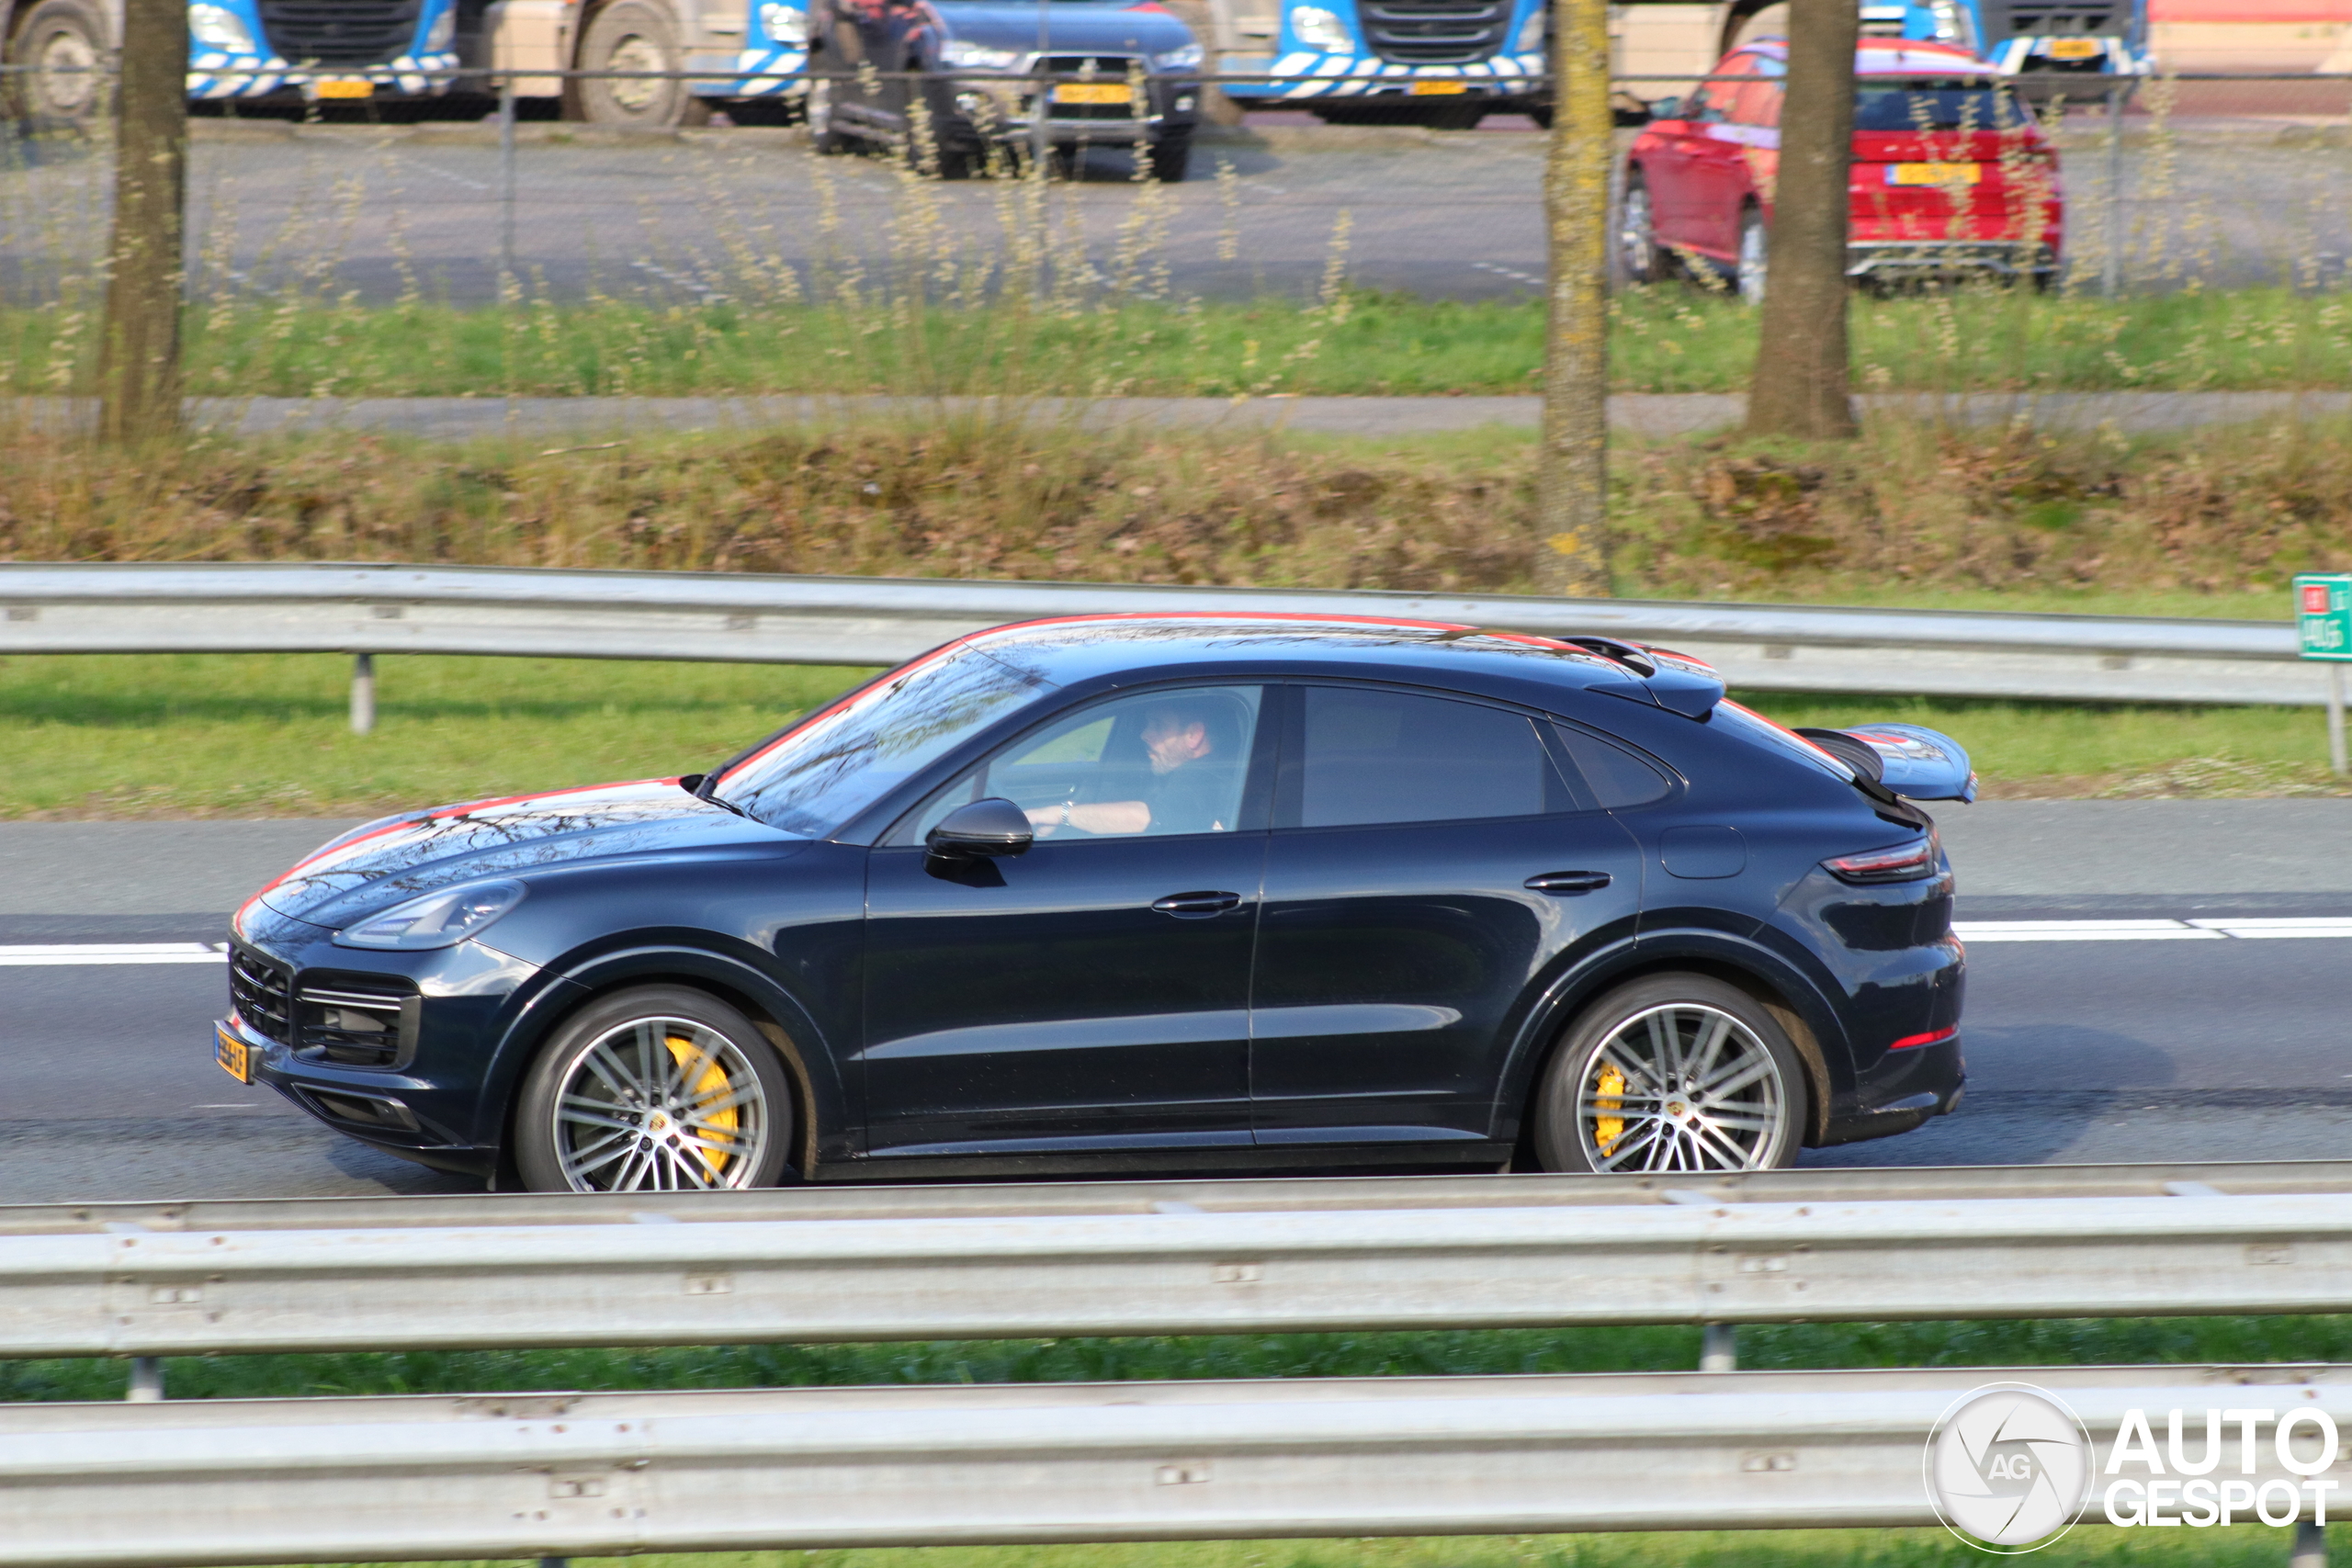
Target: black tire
{"points": [[1637, 248], [825, 138], [1603, 1105], [632, 34], [1171, 158], [55, 37], [1749, 281], [659, 1054], [1462, 115]]}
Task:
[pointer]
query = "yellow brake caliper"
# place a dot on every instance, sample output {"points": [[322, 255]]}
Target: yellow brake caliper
{"points": [[1609, 1088], [719, 1126]]}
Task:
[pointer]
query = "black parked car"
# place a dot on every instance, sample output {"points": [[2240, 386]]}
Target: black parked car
{"points": [[1126, 893], [1131, 79]]}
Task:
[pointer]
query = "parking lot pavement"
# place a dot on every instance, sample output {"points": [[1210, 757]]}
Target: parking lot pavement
{"points": [[416, 212], [2079, 1049]]}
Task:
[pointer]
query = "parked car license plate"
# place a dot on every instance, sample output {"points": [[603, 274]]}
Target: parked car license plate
{"points": [[232, 1054], [1093, 92], [1935, 174], [343, 87], [2074, 49], [1436, 88]]}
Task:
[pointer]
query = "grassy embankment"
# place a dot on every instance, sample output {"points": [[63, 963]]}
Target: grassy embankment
{"points": [[1668, 338]]}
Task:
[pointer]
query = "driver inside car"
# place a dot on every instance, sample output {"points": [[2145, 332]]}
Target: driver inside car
{"points": [[1184, 792]]}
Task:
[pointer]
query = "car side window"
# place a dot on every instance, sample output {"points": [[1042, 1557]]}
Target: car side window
{"points": [[1613, 774], [1756, 103], [1154, 764], [1362, 755]]}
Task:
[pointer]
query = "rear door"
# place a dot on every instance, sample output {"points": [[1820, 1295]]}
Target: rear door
{"points": [[1431, 857]]}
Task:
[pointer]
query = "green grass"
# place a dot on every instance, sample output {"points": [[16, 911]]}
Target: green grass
{"points": [[1672, 338], [267, 735]]}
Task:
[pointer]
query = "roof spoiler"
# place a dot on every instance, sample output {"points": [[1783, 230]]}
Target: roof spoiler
{"points": [[1910, 761], [1675, 681]]}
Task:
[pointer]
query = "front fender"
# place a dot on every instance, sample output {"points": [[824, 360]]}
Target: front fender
{"points": [[827, 1134]]}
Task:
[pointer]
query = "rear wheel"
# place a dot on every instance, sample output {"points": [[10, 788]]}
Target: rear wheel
{"points": [[633, 36], [655, 1089], [61, 45], [1747, 276], [1675, 1072]]}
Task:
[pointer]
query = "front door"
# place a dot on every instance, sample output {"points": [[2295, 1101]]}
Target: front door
{"points": [[1093, 993], [1431, 859]]}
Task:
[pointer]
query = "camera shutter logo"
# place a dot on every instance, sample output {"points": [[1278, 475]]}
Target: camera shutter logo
{"points": [[2008, 1468]]}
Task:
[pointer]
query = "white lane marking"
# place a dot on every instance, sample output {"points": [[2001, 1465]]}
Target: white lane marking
{"points": [[1512, 273], [2246, 930], [114, 952]]}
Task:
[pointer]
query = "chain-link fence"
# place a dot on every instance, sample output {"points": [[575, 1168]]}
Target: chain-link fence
{"points": [[484, 250]]}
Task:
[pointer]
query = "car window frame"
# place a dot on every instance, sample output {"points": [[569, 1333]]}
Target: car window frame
{"points": [[1287, 804], [1257, 785]]}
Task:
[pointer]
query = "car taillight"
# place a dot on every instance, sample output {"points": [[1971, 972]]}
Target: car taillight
{"points": [[1914, 861], [1933, 1037]]}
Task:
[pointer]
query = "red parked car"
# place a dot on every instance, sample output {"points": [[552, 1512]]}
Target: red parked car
{"points": [[1952, 176]]}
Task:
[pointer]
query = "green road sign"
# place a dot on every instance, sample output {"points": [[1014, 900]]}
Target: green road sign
{"points": [[2323, 614]]}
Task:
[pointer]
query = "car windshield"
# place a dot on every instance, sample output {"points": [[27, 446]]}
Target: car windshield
{"points": [[1936, 106], [824, 770]]}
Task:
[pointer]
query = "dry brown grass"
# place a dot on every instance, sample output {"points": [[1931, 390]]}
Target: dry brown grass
{"points": [[1985, 512]]}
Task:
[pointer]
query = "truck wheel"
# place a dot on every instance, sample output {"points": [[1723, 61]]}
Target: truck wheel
{"points": [[61, 43], [1172, 159], [631, 35]]}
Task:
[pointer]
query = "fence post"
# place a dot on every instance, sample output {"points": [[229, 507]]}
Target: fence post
{"points": [[363, 692], [146, 1379], [2112, 273], [1719, 1348], [505, 183], [2310, 1546], [2335, 757]]}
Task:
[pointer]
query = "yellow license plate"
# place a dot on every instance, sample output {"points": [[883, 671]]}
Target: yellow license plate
{"points": [[1935, 174], [2074, 49], [231, 1052], [343, 87], [1093, 92], [1436, 89]]}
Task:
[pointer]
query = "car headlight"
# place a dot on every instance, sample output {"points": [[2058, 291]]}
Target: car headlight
{"points": [[1318, 29], [1188, 58], [1531, 33], [443, 32], [961, 55], [437, 920], [784, 24], [216, 27]]}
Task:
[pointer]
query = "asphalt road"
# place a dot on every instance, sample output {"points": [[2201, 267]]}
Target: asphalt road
{"points": [[385, 213], [2183, 1046]]}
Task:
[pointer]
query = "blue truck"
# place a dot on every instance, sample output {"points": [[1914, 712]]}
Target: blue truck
{"points": [[293, 50], [1449, 64]]}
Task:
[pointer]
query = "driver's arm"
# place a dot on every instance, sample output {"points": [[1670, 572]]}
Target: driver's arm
{"points": [[1109, 817]]}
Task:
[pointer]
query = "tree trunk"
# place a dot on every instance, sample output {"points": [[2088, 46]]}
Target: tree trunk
{"points": [[138, 354], [1572, 475], [1802, 384]]}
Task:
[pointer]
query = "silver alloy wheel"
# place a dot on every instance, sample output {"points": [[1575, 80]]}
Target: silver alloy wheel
{"points": [[1682, 1087], [1753, 250], [635, 52], [659, 1104], [1636, 234]]}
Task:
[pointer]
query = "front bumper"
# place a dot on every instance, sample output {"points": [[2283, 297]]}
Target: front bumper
{"points": [[977, 112], [1308, 74]]}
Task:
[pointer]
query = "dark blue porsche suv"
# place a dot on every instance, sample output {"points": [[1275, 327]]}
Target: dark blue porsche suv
{"points": [[1126, 893]]}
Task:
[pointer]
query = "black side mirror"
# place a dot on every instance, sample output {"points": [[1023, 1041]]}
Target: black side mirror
{"points": [[985, 828]]}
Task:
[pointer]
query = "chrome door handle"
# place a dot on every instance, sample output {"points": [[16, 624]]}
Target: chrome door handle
{"points": [[1193, 905], [1568, 881]]}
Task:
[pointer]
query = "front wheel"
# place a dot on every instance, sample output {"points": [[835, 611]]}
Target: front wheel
{"points": [[825, 138], [627, 36], [1675, 1072], [1172, 159], [59, 50], [660, 1088], [1637, 232]]}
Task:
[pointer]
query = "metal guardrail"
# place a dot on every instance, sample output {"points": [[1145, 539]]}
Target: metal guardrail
{"points": [[649, 1269], [369, 610], [523, 1475]]}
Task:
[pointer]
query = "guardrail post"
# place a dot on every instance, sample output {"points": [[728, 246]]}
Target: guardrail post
{"points": [[2310, 1546], [363, 692], [1719, 1348], [146, 1379]]}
